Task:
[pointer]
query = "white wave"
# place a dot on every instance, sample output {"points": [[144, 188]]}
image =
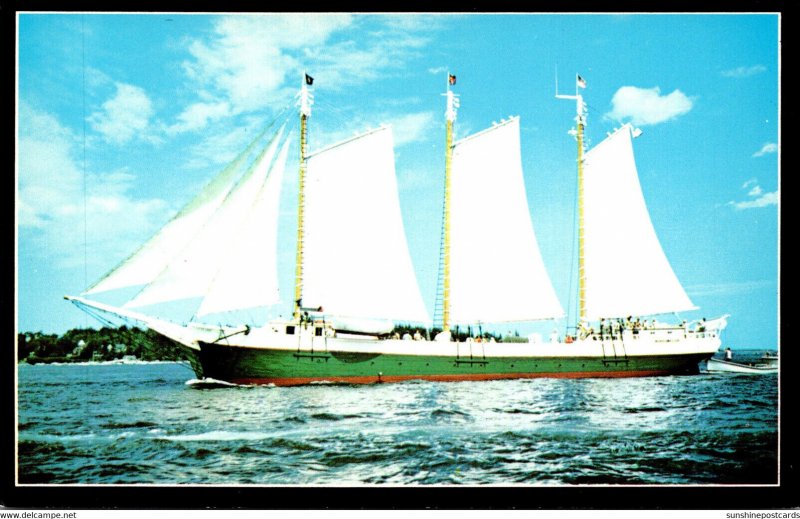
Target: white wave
{"points": [[210, 382], [125, 434], [217, 436], [56, 437]]}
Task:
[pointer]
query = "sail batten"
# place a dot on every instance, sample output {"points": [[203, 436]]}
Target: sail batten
{"points": [[627, 272], [356, 258], [497, 272]]}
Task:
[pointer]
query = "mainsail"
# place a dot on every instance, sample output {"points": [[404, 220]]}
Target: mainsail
{"points": [[357, 262], [496, 269], [627, 272]]}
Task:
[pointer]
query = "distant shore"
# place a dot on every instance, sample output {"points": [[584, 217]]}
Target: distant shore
{"points": [[86, 345], [116, 362]]}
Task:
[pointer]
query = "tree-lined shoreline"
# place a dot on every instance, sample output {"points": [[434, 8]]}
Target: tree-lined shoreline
{"points": [[88, 344]]}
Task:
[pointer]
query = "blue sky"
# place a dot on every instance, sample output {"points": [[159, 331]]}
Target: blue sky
{"points": [[122, 118]]}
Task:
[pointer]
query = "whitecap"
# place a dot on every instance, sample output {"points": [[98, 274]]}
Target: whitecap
{"points": [[210, 383], [217, 436], [57, 437]]}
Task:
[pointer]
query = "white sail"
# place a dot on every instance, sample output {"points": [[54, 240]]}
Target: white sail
{"points": [[356, 259], [248, 276], [153, 257], [496, 269], [627, 272], [192, 271]]}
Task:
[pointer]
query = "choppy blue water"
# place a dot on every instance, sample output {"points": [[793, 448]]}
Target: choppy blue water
{"points": [[143, 424]]}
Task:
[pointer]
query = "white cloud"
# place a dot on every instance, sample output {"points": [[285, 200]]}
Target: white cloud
{"points": [[643, 106], [766, 199], [755, 191], [769, 147], [347, 63], [741, 72], [412, 127], [758, 198], [246, 59], [252, 62], [51, 202], [124, 116], [198, 115]]}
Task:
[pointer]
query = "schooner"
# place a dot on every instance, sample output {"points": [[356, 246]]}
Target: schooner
{"points": [[354, 279]]}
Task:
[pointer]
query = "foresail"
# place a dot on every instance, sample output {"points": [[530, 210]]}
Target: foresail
{"points": [[248, 276], [193, 270], [357, 261], [627, 272], [153, 256], [496, 269]]}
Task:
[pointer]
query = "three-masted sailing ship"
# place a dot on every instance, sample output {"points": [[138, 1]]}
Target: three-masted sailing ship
{"points": [[355, 281]]}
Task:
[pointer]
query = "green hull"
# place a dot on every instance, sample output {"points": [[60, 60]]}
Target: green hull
{"points": [[243, 365]]}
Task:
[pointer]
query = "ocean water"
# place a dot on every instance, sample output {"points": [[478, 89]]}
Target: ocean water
{"points": [[142, 423]]}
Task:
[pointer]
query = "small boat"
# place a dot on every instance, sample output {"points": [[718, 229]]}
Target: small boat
{"points": [[768, 363]]}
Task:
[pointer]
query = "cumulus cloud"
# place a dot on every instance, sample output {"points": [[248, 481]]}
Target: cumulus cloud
{"points": [[52, 205], [757, 197], [124, 116], [248, 58], [249, 63], [740, 72], [196, 116], [644, 106], [769, 147]]}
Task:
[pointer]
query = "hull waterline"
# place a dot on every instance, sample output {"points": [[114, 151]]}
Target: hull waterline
{"points": [[281, 367]]}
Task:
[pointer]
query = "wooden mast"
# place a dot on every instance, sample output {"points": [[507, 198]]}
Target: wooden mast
{"points": [[450, 116], [305, 111], [581, 236], [580, 121]]}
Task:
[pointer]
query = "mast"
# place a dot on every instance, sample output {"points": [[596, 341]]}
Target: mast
{"points": [[580, 120], [306, 100], [450, 117]]}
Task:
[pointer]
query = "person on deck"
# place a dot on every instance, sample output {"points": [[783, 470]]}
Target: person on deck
{"points": [[728, 354]]}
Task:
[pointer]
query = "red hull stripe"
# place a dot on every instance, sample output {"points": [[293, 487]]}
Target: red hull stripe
{"points": [[297, 381]]}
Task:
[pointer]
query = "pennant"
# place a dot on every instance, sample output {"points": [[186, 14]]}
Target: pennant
{"points": [[581, 82], [309, 80], [451, 79]]}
